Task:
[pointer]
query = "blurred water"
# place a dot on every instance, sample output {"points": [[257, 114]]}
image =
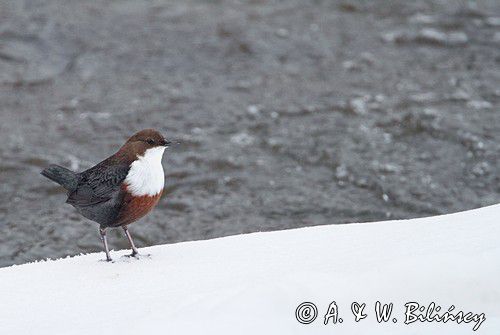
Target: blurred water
{"points": [[287, 114]]}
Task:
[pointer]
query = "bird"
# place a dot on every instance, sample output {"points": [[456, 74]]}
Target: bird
{"points": [[119, 190]]}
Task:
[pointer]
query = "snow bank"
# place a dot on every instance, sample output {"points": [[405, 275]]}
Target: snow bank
{"points": [[253, 283]]}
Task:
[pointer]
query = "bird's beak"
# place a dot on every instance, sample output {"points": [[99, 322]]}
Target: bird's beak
{"points": [[166, 143]]}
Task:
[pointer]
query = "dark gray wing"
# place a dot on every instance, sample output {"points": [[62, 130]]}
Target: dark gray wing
{"points": [[98, 184]]}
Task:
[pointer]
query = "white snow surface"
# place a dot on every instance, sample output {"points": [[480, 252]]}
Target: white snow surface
{"points": [[252, 284]]}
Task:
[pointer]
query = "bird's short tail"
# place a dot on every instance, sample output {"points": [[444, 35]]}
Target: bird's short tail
{"points": [[64, 177]]}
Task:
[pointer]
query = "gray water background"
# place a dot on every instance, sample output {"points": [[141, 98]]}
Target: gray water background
{"points": [[286, 113]]}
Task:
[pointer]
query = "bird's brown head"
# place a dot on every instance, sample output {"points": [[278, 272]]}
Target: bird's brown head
{"points": [[150, 138], [143, 140]]}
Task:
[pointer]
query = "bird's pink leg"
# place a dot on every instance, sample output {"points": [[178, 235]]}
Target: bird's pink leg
{"points": [[132, 245], [104, 240]]}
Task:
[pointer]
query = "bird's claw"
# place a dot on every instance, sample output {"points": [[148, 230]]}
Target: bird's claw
{"points": [[107, 260], [137, 255]]}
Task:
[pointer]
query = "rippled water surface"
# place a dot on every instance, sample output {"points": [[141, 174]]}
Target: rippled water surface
{"points": [[286, 113]]}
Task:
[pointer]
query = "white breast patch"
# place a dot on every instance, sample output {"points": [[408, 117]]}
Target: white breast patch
{"points": [[146, 177]]}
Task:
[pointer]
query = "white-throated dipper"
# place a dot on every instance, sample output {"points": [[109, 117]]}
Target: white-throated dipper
{"points": [[122, 188]]}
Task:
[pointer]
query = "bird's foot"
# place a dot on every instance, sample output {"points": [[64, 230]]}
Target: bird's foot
{"points": [[137, 255], [107, 260]]}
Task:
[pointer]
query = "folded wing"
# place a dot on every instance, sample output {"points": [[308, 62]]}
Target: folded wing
{"points": [[98, 184]]}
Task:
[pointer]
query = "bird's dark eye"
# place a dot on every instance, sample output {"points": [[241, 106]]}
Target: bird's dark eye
{"points": [[150, 141]]}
